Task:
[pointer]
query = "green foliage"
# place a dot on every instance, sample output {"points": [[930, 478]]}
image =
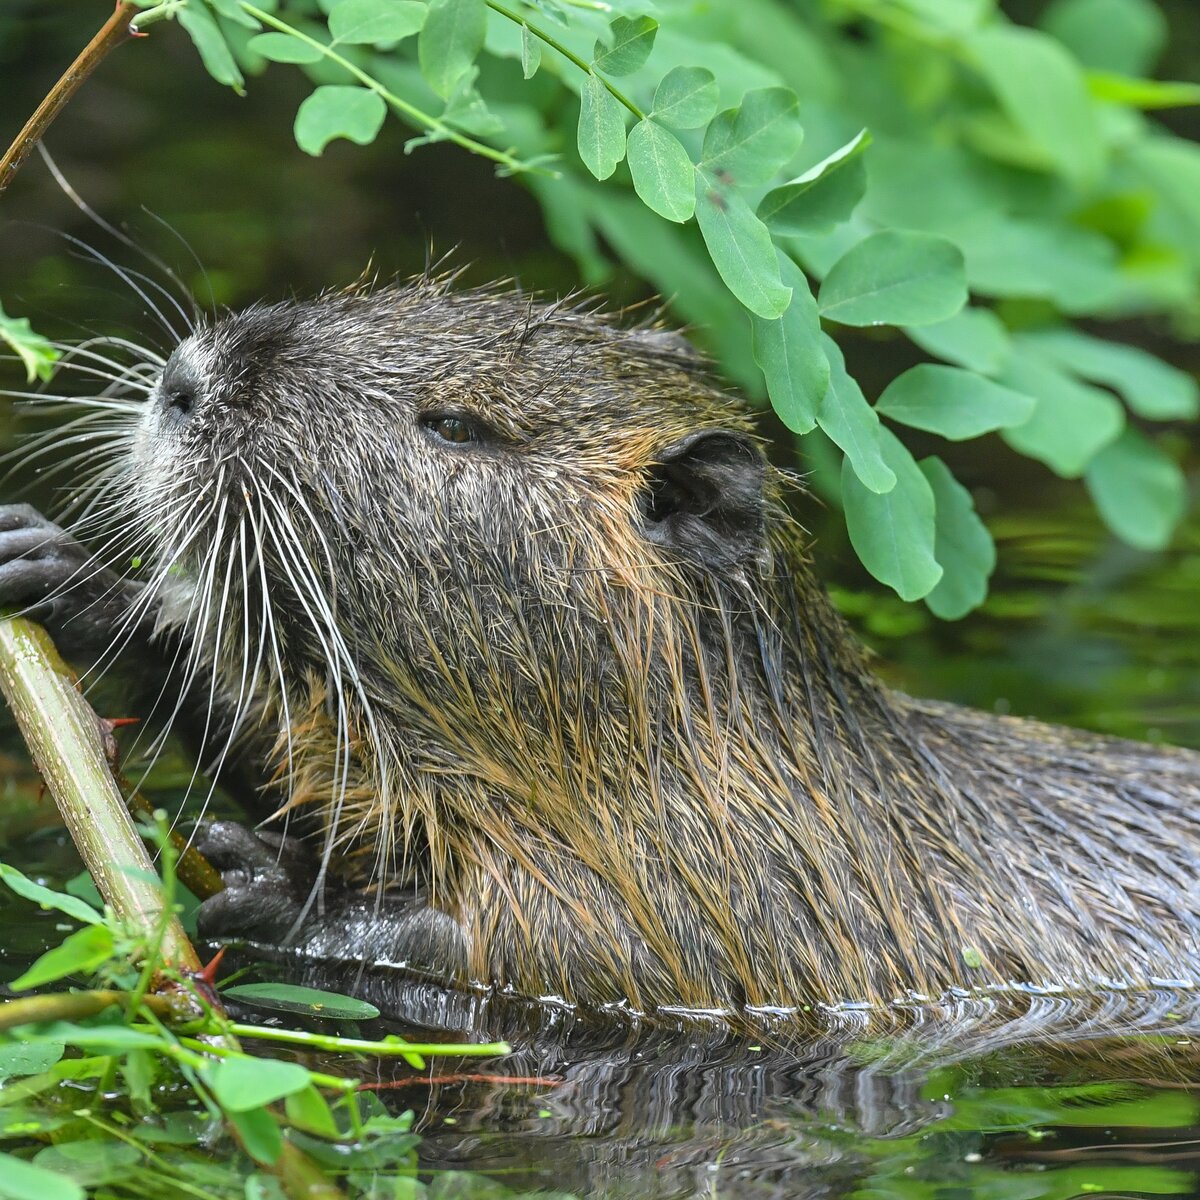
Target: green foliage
{"points": [[36, 355], [1004, 163], [187, 1079]]}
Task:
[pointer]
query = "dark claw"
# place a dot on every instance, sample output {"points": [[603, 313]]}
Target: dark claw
{"points": [[48, 576], [267, 880]]}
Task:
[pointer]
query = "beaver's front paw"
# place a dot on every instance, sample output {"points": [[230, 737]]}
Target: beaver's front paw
{"points": [[48, 576], [268, 878]]}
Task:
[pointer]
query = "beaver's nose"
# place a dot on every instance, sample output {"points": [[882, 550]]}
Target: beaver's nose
{"points": [[179, 388]]}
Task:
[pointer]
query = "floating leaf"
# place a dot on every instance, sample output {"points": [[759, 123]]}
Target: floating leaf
{"points": [[750, 143], [450, 41], [370, 22], [1151, 387], [80, 954], [35, 352], [791, 355], [821, 197], [1071, 422], [741, 247], [686, 98], [283, 48], [333, 111], [662, 173], [953, 402], [601, 128], [962, 546], [241, 1083], [852, 424], [974, 338], [313, 1002], [1043, 90], [630, 43], [1139, 491], [895, 278], [894, 533]]}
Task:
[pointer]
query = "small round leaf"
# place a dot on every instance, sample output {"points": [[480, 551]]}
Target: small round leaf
{"points": [[333, 111]]}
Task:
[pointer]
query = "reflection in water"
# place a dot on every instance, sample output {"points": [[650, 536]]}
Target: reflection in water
{"points": [[608, 1109]]}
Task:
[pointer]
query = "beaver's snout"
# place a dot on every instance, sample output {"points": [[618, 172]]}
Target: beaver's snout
{"points": [[180, 388]]}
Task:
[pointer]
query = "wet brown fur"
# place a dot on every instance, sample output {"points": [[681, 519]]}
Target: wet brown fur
{"points": [[629, 776]]}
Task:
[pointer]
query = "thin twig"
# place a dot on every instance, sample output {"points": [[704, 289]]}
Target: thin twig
{"points": [[114, 31]]}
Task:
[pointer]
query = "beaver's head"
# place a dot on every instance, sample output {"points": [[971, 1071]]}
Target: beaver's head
{"points": [[443, 489]]}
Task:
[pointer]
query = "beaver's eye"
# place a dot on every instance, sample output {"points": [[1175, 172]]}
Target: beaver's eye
{"points": [[451, 429]]}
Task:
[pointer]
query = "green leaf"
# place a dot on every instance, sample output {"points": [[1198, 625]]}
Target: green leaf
{"points": [[260, 1134], [630, 43], [953, 402], [1142, 93], [1151, 387], [28, 1058], [1125, 36], [214, 50], [531, 52], [1042, 89], [663, 174], [80, 954], [231, 10], [686, 98], [313, 1002], [751, 142], [241, 1083], [46, 898], [823, 196], [20, 1180], [35, 352], [1140, 492], [1075, 268], [309, 1110], [893, 534], [104, 1039], [895, 278], [962, 545], [601, 128], [852, 424], [370, 22], [1071, 422], [791, 355], [90, 1162], [740, 246], [450, 41], [333, 111], [974, 338], [283, 48]]}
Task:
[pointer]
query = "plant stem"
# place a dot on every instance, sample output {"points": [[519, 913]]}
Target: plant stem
{"points": [[63, 736], [75, 1006], [415, 115], [343, 1045], [569, 55], [113, 32]]}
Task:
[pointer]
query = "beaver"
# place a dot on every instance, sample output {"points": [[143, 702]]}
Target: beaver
{"points": [[508, 600]]}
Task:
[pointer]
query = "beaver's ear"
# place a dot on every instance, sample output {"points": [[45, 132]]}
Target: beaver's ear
{"points": [[704, 499]]}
